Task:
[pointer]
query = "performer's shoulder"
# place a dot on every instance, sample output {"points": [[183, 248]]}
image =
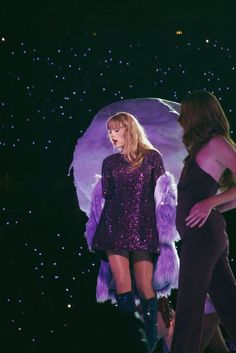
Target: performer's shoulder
{"points": [[111, 158], [153, 153]]}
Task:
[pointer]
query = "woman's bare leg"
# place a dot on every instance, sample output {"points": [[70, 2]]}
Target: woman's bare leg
{"points": [[143, 271], [119, 264]]}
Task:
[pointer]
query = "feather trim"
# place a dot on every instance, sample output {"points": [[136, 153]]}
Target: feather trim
{"points": [[166, 200], [166, 270], [103, 281], [97, 203]]}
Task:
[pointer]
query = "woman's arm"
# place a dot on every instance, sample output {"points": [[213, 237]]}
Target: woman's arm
{"points": [[226, 206], [158, 166], [225, 198], [107, 180], [225, 155]]}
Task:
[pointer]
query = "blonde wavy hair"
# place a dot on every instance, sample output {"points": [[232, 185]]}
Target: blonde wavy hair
{"points": [[136, 141]]}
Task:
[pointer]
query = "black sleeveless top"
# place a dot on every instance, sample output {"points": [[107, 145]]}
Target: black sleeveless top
{"points": [[194, 185]]}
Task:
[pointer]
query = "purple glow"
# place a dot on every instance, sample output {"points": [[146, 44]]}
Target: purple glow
{"points": [[157, 116]]}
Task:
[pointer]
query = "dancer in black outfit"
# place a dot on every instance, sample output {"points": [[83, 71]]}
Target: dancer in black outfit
{"points": [[204, 267]]}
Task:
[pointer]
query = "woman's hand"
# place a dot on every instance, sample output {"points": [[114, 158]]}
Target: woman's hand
{"points": [[199, 213]]}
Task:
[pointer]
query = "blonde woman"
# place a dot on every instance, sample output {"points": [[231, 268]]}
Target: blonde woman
{"points": [[127, 233]]}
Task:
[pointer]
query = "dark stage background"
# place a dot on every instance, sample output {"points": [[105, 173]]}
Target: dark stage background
{"points": [[60, 64]]}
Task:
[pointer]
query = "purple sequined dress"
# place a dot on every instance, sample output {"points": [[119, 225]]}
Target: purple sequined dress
{"points": [[128, 218]]}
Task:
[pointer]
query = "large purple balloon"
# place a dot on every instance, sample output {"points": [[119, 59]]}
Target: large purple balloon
{"points": [[159, 119]]}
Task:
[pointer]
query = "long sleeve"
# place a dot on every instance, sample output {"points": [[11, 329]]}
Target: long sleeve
{"points": [[107, 181], [158, 166]]}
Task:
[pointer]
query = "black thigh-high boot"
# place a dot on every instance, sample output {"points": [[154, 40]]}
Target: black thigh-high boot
{"points": [[149, 309], [126, 302]]}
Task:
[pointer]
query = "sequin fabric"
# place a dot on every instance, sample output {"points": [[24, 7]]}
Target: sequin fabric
{"points": [[128, 218]]}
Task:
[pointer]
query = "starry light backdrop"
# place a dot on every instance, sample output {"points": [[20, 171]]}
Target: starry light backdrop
{"points": [[51, 92]]}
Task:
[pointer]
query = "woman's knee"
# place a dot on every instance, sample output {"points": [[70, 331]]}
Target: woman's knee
{"points": [[145, 290], [119, 263], [122, 281]]}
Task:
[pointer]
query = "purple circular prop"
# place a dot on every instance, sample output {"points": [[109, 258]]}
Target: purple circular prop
{"points": [[159, 119]]}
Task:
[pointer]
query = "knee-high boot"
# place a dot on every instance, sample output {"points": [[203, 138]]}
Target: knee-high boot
{"points": [[126, 302], [149, 309]]}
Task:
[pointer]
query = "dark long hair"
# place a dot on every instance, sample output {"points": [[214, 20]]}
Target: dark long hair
{"points": [[202, 117]]}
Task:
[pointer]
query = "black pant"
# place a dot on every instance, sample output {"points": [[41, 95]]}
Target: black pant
{"points": [[204, 267]]}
